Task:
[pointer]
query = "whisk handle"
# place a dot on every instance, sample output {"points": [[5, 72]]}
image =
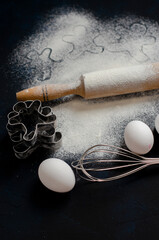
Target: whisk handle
{"points": [[151, 161]]}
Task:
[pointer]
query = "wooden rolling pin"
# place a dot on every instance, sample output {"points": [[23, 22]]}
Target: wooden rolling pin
{"points": [[98, 84]]}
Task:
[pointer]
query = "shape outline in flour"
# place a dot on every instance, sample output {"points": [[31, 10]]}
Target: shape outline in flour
{"points": [[46, 68], [128, 31], [74, 44]]}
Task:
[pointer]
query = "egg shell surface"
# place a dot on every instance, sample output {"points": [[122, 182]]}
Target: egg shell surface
{"points": [[138, 137], [56, 175]]}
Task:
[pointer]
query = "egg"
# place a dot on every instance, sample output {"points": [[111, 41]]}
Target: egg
{"points": [[157, 123], [56, 175], [138, 137]]}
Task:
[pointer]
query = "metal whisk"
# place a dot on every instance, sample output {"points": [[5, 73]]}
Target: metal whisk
{"points": [[94, 161]]}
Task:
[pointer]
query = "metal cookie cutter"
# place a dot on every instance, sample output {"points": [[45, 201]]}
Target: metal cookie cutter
{"points": [[30, 125]]}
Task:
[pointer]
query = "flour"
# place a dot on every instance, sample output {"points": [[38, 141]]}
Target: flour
{"points": [[84, 124], [68, 45], [116, 81]]}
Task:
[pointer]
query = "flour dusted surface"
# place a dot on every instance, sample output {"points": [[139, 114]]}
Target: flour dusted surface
{"points": [[84, 124], [66, 46], [117, 81]]}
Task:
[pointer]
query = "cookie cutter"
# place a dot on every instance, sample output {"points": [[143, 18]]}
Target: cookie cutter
{"points": [[30, 126]]}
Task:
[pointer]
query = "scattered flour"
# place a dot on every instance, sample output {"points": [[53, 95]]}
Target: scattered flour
{"points": [[84, 123], [116, 81], [68, 45]]}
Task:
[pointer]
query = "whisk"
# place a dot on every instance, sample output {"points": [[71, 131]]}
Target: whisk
{"points": [[87, 165]]}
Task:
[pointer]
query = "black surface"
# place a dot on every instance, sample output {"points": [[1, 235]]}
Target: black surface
{"points": [[126, 209]]}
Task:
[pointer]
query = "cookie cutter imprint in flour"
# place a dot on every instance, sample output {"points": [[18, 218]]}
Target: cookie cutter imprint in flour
{"points": [[30, 126]]}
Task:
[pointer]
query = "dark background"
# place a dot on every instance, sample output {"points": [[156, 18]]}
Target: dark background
{"points": [[125, 209]]}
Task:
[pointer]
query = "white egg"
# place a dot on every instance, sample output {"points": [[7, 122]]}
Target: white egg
{"points": [[157, 123], [56, 175], [138, 137]]}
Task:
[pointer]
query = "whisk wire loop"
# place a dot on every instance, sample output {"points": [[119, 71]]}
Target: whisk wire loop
{"points": [[86, 165]]}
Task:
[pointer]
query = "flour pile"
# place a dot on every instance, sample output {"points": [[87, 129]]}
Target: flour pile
{"points": [[68, 45]]}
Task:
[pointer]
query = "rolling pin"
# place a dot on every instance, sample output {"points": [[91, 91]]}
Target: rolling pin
{"points": [[111, 82]]}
